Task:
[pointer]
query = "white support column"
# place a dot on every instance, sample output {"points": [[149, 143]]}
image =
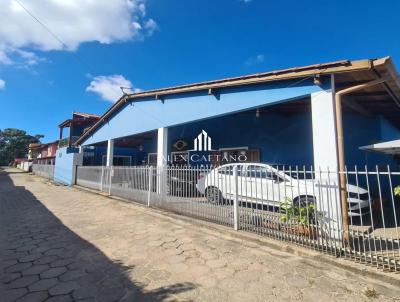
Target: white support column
{"points": [[110, 152], [236, 200], [162, 147], [324, 130], [109, 163], [326, 159], [162, 158]]}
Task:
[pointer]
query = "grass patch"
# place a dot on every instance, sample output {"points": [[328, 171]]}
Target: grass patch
{"points": [[371, 293]]}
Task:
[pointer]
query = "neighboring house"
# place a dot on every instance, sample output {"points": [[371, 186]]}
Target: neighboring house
{"points": [[77, 125], [21, 163], [43, 154], [34, 150], [68, 156]]}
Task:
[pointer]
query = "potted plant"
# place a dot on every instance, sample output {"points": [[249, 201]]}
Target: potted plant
{"points": [[299, 218]]}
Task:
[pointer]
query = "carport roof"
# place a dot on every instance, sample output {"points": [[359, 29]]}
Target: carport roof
{"points": [[390, 147], [348, 73]]}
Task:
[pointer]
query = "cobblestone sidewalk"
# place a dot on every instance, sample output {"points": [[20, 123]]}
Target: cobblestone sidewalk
{"points": [[63, 244]]}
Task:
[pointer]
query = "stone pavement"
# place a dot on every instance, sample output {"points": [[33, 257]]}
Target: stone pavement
{"points": [[63, 244]]}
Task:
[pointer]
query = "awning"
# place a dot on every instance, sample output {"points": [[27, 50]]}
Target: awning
{"points": [[390, 147]]}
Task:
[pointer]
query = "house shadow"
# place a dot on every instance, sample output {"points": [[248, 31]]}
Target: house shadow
{"points": [[39, 254]]}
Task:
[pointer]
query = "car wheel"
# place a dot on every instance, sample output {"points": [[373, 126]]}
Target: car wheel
{"points": [[214, 195]]}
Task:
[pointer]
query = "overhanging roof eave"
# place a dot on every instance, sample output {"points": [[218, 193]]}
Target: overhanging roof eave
{"points": [[286, 74]]}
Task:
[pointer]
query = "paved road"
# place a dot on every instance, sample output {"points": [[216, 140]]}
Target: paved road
{"points": [[63, 244]]}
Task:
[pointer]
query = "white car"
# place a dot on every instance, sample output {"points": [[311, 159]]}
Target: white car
{"points": [[265, 185]]}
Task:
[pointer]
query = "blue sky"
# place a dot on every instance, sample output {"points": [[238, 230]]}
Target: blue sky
{"points": [[152, 44]]}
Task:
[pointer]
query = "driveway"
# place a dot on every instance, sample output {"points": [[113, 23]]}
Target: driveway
{"points": [[64, 244]]}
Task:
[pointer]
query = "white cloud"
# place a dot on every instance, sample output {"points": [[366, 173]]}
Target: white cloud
{"points": [[108, 87], [29, 58], [73, 21], [255, 60], [18, 57], [150, 26], [2, 84], [4, 58]]}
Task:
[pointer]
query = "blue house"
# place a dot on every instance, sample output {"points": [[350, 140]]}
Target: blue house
{"points": [[331, 117], [320, 116], [285, 117]]}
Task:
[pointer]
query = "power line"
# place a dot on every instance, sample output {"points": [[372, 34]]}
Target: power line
{"points": [[57, 38], [64, 45], [81, 60], [42, 24]]}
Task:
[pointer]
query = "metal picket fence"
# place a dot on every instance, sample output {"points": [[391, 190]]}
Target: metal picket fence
{"points": [[46, 171], [298, 205]]}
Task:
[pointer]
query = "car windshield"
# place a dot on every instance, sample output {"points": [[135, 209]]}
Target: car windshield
{"points": [[301, 175], [255, 171], [258, 171], [226, 170]]}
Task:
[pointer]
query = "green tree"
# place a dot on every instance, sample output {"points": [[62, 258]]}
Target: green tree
{"points": [[15, 143]]}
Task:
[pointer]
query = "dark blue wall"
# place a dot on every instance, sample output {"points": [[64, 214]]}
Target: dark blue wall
{"points": [[361, 131], [100, 151], [281, 139], [77, 130]]}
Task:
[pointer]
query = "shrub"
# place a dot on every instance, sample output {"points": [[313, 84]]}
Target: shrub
{"points": [[397, 191], [300, 214]]}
